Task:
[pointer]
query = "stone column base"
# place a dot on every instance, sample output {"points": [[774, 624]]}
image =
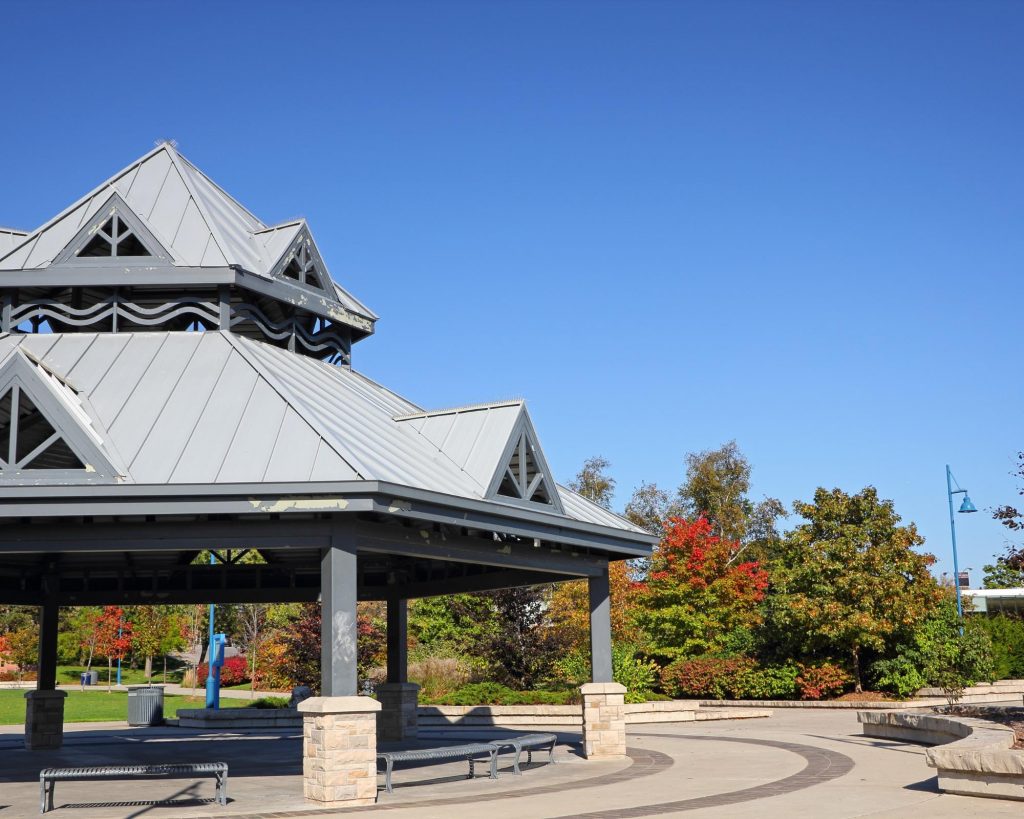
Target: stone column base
{"points": [[604, 720], [339, 750], [397, 719], [44, 720]]}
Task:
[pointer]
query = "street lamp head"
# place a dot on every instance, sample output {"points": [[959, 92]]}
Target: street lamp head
{"points": [[967, 505]]}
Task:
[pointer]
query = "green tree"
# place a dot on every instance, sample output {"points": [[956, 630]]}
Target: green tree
{"points": [[954, 653], [849, 579], [1007, 572], [594, 483], [649, 508], [716, 487], [451, 625], [23, 648]]}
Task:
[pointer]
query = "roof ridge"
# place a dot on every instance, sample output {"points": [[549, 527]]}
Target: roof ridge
{"points": [[280, 226], [82, 200], [211, 223], [508, 402], [175, 152], [276, 385]]}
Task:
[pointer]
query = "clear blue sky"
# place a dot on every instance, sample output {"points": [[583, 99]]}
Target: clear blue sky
{"points": [[667, 225]]}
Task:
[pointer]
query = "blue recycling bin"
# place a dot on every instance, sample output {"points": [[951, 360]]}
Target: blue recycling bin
{"points": [[85, 678]]}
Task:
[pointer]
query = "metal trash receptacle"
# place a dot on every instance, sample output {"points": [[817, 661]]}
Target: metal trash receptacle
{"points": [[94, 678], [145, 705], [85, 678]]}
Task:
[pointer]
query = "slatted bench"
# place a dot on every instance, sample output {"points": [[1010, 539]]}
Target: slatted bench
{"points": [[49, 777], [527, 742], [470, 753]]}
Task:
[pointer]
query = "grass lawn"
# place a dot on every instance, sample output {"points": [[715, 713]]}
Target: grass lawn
{"points": [[99, 706], [70, 674]]}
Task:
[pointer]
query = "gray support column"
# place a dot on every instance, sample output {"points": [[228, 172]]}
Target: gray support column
{"points": [[5, 321], [338, 625], [47, 673], [398, 641], [600, 628], [224, 301]]}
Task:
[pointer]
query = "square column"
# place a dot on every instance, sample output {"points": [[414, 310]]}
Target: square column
{"points": [[599, 590], [604, 703], [399, 698], [338, 631], [44, 709], [339, 751]]}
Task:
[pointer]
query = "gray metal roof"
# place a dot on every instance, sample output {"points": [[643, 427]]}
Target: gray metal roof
{"points": [[10, 238], [215, 408], [196, 222]]}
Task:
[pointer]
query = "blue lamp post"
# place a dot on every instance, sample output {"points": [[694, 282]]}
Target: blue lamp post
{"points": [[965, 507]]}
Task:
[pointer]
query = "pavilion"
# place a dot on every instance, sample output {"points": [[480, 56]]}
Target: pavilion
{"points": [[176, 376]]}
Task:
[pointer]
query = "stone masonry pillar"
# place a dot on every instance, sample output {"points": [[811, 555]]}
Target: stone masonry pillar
{"points": [[604, 720], [398, 703], [44, 720], [339, 751], [44, 709]]}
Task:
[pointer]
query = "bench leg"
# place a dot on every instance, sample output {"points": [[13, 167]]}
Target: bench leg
{"points": [[551, 754], [42, 795], [222, 788], [515, 762], [387, 775], [472, 768], [494, 764]]}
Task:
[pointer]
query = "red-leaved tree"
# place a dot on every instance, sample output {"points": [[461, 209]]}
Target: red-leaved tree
{"points": [[113, 637], [698, 597]]}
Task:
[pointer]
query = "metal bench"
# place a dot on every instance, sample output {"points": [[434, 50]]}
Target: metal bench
{"points": [[468, 752], [49, 777], [527, 742]]}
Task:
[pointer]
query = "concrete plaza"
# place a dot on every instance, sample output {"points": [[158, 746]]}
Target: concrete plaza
{"points": [[798, 763]]}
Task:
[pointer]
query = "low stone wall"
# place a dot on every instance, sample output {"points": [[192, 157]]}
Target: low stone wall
{"points": [[570, 717], [514, 717], [227, 718], [975, 757]]}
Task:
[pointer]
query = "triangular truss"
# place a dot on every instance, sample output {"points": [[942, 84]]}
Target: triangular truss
{"points": [[302, 264], [45, 433], [523, 475], [114, 233]]}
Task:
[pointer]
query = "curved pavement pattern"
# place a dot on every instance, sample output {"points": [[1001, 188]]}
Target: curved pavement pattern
{"points": [[795, 764]]}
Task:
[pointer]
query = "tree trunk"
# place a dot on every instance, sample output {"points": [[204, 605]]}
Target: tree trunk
{"points": [[149, 668], [856, 669], [165, 669]]}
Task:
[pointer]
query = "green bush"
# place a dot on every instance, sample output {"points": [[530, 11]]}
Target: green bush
{"points": [[492, 693], [770, 683], [638, 675], [899, 676], [1007, 636], [269, 702]]}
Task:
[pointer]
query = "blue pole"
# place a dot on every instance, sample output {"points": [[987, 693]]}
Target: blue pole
{"points": [[119, 659], [211, 694], [952, 529]]}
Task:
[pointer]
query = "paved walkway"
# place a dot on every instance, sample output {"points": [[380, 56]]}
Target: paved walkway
{"points": [[798, 763]]}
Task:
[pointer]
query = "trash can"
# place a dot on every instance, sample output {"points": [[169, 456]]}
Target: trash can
{"points": [[145, 705], [85, 678], [94, 678]]}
